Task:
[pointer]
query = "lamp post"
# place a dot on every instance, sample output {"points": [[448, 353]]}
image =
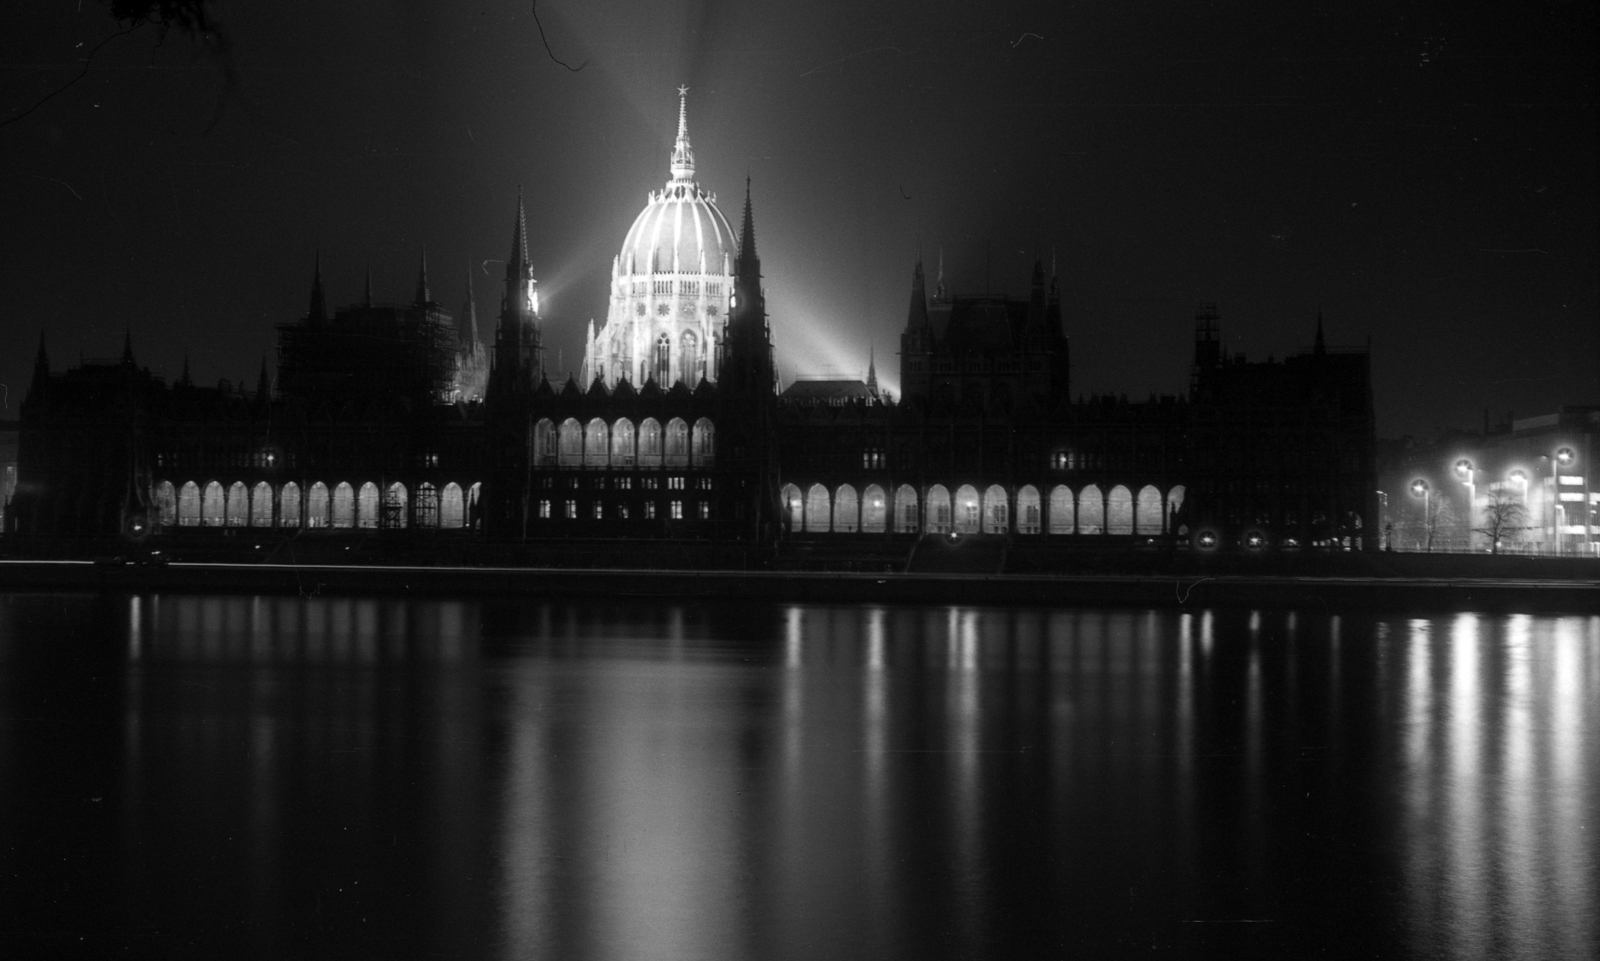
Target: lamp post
{"points": [[1519, 477], [1419, 488], [1464, 470], [1561, 458]]}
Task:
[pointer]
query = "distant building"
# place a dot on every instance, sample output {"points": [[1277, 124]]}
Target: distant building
{"points": [[1438, 494], [396, 417]]}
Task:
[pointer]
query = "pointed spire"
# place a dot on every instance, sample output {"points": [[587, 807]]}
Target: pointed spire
{"points": [[319, 301], [747, 231], [1321, 346], [263, 383], [366, 297], [422, 280], [917, 317], [872, 370], [41, 370], [682, 154], [519, 236]]}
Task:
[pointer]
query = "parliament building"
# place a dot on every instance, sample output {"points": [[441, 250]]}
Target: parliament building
{"points": [[398, 422]]}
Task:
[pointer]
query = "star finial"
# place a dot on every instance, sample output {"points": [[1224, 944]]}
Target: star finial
{"points": [[683, 91]]}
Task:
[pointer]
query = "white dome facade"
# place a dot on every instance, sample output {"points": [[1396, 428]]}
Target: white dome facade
{"points": [[671, 285]]}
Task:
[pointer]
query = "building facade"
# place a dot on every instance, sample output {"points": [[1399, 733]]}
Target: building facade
{"points": [[396, 417]]}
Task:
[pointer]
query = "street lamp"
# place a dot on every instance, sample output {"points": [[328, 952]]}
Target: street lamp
{"points": [[1464, 470], [1561, 458], [1419, 488]]}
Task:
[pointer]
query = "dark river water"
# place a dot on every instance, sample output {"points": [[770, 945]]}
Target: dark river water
{"points": [[236, 777]]}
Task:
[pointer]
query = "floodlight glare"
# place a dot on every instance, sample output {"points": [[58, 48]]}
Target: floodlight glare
{"points": [[1419, 488], [1463, 468], [1565, 455]]}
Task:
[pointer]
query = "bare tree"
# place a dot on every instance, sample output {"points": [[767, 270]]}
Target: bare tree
{"points": [[1503, 517]]}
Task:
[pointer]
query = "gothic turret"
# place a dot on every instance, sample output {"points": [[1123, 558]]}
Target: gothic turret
{"points": [[916, 340], [41, 371], [517, 349]]}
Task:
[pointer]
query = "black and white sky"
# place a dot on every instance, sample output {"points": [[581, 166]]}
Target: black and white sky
{"points": [[1422, 173]]}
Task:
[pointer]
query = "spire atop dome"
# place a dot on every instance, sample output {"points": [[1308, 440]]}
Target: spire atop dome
{"points": [[469, 312], [682, 153]]}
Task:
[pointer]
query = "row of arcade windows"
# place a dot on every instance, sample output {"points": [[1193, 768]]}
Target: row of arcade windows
{"points": [[317, 507], [620, 444], [1089, 511]]}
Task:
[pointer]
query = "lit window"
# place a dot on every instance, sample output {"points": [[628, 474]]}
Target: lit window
{"points": [[705, 510], [649, 510], [599, 511], [572, 510], [624, 483], [622, 512], [677, 510], [544, 509], [674, 483], [703, 483]]}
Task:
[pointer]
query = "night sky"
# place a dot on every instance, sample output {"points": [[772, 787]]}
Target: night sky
{"points": [[1425, 175]]}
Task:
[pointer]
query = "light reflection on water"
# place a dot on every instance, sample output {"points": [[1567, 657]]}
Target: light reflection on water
{"points": [[328, 777]]}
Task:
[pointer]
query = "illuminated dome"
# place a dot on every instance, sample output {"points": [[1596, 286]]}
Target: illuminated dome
{"points": [[680, 231], [671, 284]]}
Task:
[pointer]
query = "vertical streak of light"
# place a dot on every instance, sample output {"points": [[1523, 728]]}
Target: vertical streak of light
{"points": [[1184, 749], [1571, 792], [1517, 848], [135, 629], [875, 740], [1255, 763], [525, 849], [1464, 794], [1418, 774], [966, 809]]}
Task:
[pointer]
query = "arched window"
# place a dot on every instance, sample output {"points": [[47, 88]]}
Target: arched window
{"points": [[214, 507], [967, 510], [1061, 510], [1091, 511], [289, 505], [367, 505], [473, 494], [794, 507], [874, 510], [596, 444], [571, 443], [689, 358], [622, 443], [166, 504], [996, 510], [189, 505], [452, 511], [1119, 511], [817, 509], [649, 443], [845, 509], [1028, 513], [938, 510], [238, 505], [261, 505], [317, 505], [1147, 512], [663, 371], [677, 443], [394, 505], [426, 508], [704, 443], [905, 510], [544, 443], [344, 506], [1174, 502]]}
